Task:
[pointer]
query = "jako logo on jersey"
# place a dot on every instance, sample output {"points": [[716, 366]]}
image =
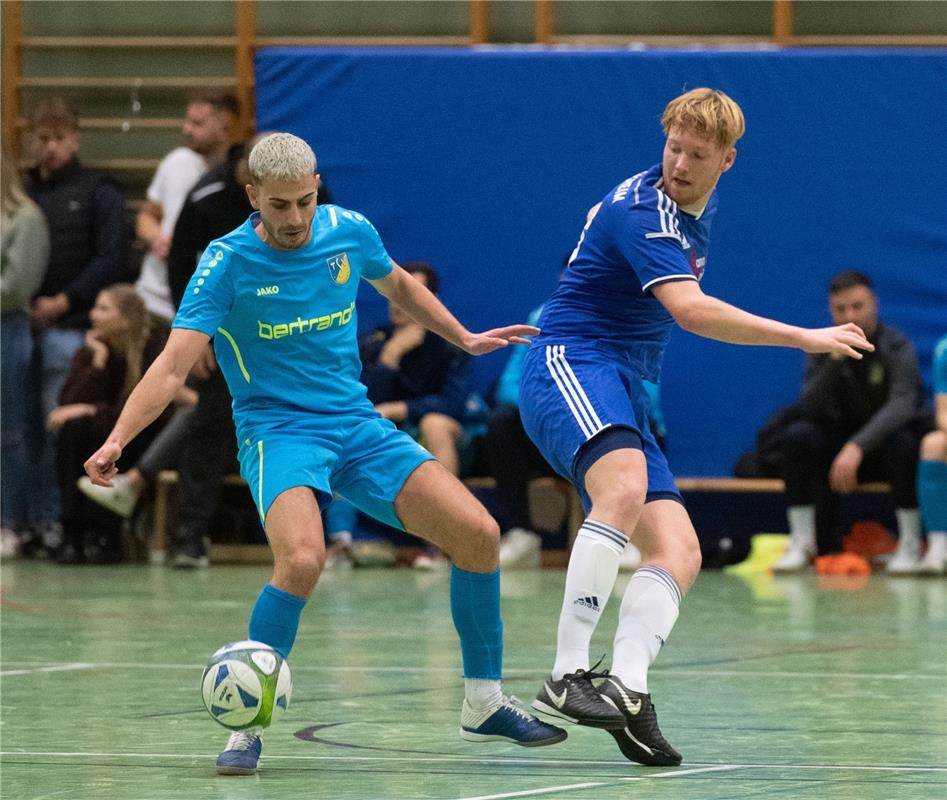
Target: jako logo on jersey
{"points": [[265, 290], [278, 330], [339, 268]]}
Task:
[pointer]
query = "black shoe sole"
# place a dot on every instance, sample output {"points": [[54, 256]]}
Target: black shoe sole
{"points": [[634, 752], [588, 722], [544, 742]]}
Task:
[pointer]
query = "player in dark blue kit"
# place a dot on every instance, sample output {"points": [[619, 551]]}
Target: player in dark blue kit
{"points": [[278, 296], [635, 271]]}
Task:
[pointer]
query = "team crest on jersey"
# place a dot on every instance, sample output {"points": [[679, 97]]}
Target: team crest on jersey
{"points": [[339, 268], [697, 264]]}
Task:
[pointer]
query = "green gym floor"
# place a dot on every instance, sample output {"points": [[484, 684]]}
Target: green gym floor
{"points": [[785, 687]]}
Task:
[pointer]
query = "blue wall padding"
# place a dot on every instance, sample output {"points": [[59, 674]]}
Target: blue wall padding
{"points": [[484, 162]]}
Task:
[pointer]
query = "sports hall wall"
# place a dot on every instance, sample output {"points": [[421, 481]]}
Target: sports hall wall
{"points": [[484, 162]]}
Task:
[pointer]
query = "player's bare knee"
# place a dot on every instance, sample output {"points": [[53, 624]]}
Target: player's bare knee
{"points": [[934, 446], [621, 500], [479, 547], [301, 568], [692, 561], [438, 427]]}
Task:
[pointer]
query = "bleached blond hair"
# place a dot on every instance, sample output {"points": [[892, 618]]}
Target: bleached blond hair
{"points": [[709, 113], [282, 157]]}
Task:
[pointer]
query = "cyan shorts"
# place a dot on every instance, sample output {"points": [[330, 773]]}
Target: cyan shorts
{"points": [[364, 459]]}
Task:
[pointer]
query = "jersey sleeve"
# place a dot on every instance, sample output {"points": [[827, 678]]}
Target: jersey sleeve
{"points": [[649, 237], [209, 295], [376, 261]]}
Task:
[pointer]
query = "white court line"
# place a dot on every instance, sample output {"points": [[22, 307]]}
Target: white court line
{"points": [[679, 772], [560, 762], [736, 673], [554, 789], [51, 668], [509, 673], [531, 792]]}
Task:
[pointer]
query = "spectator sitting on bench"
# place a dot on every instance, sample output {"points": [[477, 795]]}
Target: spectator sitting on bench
{"points": [[932, 473], [514, 461], [421, 383], [118, 348], [859, 420]]}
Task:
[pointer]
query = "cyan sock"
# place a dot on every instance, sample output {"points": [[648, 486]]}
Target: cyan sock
{"points": [[932, 494], [475, 608], [275, 619]]}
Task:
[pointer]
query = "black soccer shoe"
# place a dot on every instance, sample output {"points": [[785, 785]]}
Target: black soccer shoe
{"points": [[575, 699], [640, 740]]}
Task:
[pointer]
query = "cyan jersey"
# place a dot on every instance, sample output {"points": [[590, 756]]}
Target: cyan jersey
{"points": [[283, 321], [637, 239], [940, 367]]}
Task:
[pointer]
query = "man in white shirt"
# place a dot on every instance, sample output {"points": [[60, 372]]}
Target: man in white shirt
{"points": [[207, 128]]}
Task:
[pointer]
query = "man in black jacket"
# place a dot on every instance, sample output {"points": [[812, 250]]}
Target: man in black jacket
{"points": [[860, 420], [90, 236]]}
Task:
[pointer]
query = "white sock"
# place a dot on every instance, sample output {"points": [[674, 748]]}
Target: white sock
{"points": [[648, 612], [909, 526], [482, 693], [593, 567], [802, 525], [936, 545]]}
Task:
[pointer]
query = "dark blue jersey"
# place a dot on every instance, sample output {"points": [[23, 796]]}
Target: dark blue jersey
{"points": [[637, 238]]}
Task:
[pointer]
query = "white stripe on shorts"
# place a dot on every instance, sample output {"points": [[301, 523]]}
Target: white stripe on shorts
{"points": [[572, 391]]}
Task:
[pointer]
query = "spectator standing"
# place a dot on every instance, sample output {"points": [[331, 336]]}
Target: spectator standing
{"points": [[208, 121], [859, 420], [200, 442], [24, 253], [89, 237]]}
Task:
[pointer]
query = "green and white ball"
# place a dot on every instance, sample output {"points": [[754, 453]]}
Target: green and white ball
{"points": [[246, 685]]}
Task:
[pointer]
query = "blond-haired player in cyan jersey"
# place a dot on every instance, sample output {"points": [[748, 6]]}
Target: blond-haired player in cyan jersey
{"points": [[278, 296]]}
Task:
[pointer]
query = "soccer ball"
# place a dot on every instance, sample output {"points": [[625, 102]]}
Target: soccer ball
{"points": [[246, 685]]}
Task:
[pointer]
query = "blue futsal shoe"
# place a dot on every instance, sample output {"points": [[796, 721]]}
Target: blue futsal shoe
{"points": [[242, 754], [507, 722]]}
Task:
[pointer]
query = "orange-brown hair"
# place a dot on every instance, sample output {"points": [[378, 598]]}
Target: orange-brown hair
{"points": [[709, 113]]}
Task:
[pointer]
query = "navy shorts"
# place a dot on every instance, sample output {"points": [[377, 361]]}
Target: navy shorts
{"points": [[569, 394]]}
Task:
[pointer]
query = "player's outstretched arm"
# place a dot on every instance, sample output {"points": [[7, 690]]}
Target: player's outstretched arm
{"points": [[156, 389], [424, 308], [707, 316]]}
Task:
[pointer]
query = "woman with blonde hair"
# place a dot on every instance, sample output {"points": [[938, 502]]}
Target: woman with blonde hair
{"points": [[24, 253], [118, 347]]}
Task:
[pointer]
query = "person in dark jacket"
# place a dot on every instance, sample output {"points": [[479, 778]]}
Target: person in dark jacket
{"points": [[859, 420], [90, 237], [417, 379], [420, 382]]}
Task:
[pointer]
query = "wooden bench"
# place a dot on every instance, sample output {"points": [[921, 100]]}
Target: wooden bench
{"points": [[756, 485], [550, 499], [165, 491]]}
